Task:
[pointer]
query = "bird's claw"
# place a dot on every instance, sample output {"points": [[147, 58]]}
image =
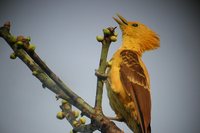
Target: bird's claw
{"points": [[108, 64], [116, 118], [102, 76]]}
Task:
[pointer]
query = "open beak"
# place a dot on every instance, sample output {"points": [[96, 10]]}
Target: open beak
{"points": [[121, 20]]}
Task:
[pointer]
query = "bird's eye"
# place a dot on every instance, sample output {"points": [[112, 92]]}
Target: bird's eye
{"points": [[135, 25]]}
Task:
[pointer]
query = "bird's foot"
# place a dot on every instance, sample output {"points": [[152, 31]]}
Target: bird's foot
{"points": [[108, 64], [117, 118], [102, 76]]}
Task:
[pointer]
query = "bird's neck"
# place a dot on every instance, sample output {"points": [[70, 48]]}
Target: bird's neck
{"points": [[132, 44]]}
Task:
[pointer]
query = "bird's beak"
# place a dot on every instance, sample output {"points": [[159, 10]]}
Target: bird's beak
{"points": [[121, 20]]}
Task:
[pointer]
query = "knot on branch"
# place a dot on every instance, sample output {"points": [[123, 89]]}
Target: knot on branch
{"points": [[110, 127]]}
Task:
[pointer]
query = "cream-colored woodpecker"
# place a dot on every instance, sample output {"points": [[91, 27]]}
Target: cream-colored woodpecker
{"points": [[128, 79]]}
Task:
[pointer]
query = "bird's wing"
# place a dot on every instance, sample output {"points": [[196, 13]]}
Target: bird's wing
{"points": [[135, 84]]}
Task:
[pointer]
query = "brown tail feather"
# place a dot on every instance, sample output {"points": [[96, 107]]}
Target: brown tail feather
{"points": [[149, 129]]}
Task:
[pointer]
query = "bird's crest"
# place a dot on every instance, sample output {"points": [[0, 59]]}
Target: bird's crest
{"points": [[137, 36]]}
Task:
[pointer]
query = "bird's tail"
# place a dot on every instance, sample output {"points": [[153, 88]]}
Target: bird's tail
{"points": [[132, 125], [149, 129]]}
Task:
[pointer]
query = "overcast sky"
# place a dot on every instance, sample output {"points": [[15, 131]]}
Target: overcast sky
{"points": [[65, 33]]}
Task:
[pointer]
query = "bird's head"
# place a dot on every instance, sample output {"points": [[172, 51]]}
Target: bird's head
{"points": [[136, 33]]}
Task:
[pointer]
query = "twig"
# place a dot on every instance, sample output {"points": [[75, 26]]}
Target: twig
{"points": [[100, 73]]}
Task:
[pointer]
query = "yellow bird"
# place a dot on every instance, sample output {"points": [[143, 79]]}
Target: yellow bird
{"points": [[128, 83]]}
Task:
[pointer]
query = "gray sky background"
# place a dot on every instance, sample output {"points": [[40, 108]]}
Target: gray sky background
{"points": [[65, 32]]}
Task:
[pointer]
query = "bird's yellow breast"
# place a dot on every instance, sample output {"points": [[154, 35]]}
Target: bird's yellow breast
{"points": [[114, 76]]}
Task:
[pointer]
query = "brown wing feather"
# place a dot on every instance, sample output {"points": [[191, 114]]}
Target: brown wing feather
{"points": [[135, 83]]}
